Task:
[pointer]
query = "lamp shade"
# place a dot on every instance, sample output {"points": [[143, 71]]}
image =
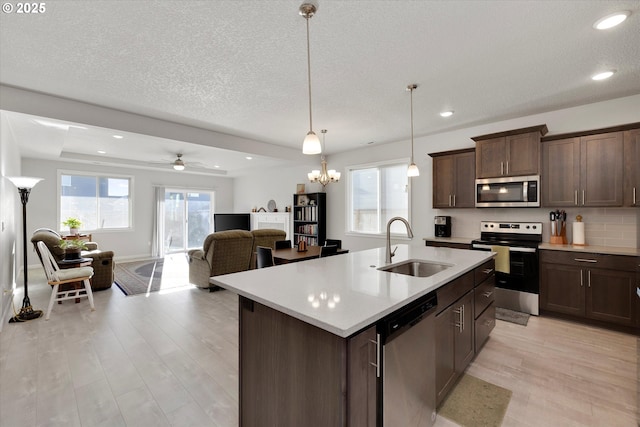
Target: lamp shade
{"points": [[413, 170], [27, 182], [311, 144]]}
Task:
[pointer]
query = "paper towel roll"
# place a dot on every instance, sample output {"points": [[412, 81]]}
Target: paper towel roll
{"points": [[578, 233]]}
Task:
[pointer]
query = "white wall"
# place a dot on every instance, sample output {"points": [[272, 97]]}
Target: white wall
{"points": [[10, 221], [129, 244], [611, 226]]}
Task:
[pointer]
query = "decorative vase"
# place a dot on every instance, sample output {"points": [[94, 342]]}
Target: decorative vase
{"points": [[73, 231]]}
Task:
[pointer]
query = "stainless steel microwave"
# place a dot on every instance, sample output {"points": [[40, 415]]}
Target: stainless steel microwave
{"points": [[508, 192]]}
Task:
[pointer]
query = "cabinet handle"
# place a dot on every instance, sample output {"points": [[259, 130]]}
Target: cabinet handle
{"points": [[575, 197], [377, 364], [449, 200], [593, 261], [487, 294], [454, 200], [581, 279], [507, 167], [489, 322], [501, 168], [487, 271], [460, 323], [588, 278], [634, 196], [582, 197]]}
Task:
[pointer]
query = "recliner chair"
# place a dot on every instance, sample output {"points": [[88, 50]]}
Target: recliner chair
{"points": [[102, 263], [222, 252]]}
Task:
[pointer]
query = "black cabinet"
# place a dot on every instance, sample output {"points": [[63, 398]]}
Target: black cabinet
{"points": [[310, 218]]}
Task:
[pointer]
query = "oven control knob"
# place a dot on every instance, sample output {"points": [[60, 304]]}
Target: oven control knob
{"points": [[528, 227], [535, 226]]}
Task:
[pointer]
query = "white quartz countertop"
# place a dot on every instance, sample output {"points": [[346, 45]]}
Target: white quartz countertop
{"points": [[345, 293], [607, 250], [462, 240]]}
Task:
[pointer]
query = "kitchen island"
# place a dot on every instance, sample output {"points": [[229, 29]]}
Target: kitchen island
{"points": [[308, 332]]}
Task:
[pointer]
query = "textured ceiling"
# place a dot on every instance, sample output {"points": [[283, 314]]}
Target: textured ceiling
{"points": [[239, 67]]}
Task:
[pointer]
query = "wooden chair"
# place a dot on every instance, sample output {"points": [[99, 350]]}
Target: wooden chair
{"points": [[57, 277], [328, 250], [283, 244], [264, 257]]}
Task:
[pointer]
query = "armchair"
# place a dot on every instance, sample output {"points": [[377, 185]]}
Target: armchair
{"points": [[222, 252], [102, 263]]}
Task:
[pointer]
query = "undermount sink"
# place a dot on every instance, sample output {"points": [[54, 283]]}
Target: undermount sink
{"points": [[416, 268]]}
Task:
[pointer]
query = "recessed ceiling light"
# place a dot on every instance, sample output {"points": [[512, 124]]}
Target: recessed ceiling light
{"points": [[612, 20], [216, 166], [447, 113], [603, 76], [102, 152], [248, 157], [118, 136]]}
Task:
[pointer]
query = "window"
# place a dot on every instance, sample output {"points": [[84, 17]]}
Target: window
{"points": [[376, 194], [100, 202]]}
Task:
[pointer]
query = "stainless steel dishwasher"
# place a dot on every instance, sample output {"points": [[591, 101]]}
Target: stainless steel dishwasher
{"points": [[407, 385]]}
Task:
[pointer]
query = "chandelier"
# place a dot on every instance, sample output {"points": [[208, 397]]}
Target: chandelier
{"points": [[323, 176], [311, 144]]}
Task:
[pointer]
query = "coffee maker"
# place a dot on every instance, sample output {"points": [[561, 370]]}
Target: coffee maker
{"points": [[443, 226]]}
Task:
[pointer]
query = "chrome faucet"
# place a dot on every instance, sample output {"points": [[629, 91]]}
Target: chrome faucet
{"points": [[390, 254]]}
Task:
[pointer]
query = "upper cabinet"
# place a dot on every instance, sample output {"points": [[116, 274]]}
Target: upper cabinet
{"points": [[511, 153], [631, 166], [597, 168], [453, 179]]}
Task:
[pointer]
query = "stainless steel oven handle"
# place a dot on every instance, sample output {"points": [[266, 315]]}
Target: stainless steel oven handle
{"points": [[511, 248]]}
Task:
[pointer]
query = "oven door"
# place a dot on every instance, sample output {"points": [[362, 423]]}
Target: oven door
{"points": [[523, 273]]}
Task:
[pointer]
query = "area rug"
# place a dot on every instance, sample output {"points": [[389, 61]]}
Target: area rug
{"points": [[512, 316], [476, 403], [141, 277]]}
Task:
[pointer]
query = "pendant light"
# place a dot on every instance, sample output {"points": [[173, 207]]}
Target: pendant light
{"points": [[323, 176], [413, 168], [311, 144]]}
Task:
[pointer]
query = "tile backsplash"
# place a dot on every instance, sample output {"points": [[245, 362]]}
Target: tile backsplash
{"points": [[603, 226]]}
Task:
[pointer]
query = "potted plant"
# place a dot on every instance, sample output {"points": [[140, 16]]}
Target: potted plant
{"points": [[73, 224], [72, 248]]}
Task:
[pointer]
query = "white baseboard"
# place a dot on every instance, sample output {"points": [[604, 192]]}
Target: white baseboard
{"points": [[5, 306]]}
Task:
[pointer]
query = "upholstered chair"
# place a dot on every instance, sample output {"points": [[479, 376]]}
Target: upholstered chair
{"points": [[222, 252], [102, 263], [265, 237]]}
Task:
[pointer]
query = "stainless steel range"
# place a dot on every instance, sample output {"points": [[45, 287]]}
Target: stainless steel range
{"points": [[518, 287]]}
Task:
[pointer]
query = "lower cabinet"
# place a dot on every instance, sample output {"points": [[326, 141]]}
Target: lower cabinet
{"points": [[454, 343], [589, 286]]}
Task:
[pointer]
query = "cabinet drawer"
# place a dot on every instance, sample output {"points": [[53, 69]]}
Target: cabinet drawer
{"points": [[454, 290], [589, 259], [483, 272], [484, 295], [484, 325]]}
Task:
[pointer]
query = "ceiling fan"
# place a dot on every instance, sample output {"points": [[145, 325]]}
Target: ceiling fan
{"points": [[178, 163]]}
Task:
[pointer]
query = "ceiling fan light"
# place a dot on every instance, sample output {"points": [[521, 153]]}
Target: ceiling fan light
{"points": [[178, 165], [311, 144], [413, 170]]}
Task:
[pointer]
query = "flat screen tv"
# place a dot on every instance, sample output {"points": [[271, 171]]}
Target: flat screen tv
{"points": [[231, 221]]}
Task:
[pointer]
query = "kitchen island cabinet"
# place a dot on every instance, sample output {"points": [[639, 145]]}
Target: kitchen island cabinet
{"points": [[589, 286], [309, 343], [511, 153], [454, 179]]}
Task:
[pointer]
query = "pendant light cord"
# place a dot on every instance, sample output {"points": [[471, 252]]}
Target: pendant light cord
{"points": [[309, 74], [411, 125]]}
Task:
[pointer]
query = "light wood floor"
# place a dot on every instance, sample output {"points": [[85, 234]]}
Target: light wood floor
{"points": [[171, 359]]}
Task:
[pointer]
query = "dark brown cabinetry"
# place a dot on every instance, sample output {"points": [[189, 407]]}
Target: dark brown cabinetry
{"points": [[453, 245], [453, 179], [484, 308], [632, 167], [586, 170], [310, 218], [589, 285], [511, 153], [292, 372]]}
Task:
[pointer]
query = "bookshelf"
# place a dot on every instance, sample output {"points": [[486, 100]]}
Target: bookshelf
{"points": [[310, 218]]}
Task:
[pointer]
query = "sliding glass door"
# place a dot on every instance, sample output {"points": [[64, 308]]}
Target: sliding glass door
{"points": [[187, 219]]}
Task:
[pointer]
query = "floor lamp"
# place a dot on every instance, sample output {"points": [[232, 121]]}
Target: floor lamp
{"points": [[24, 184]]}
